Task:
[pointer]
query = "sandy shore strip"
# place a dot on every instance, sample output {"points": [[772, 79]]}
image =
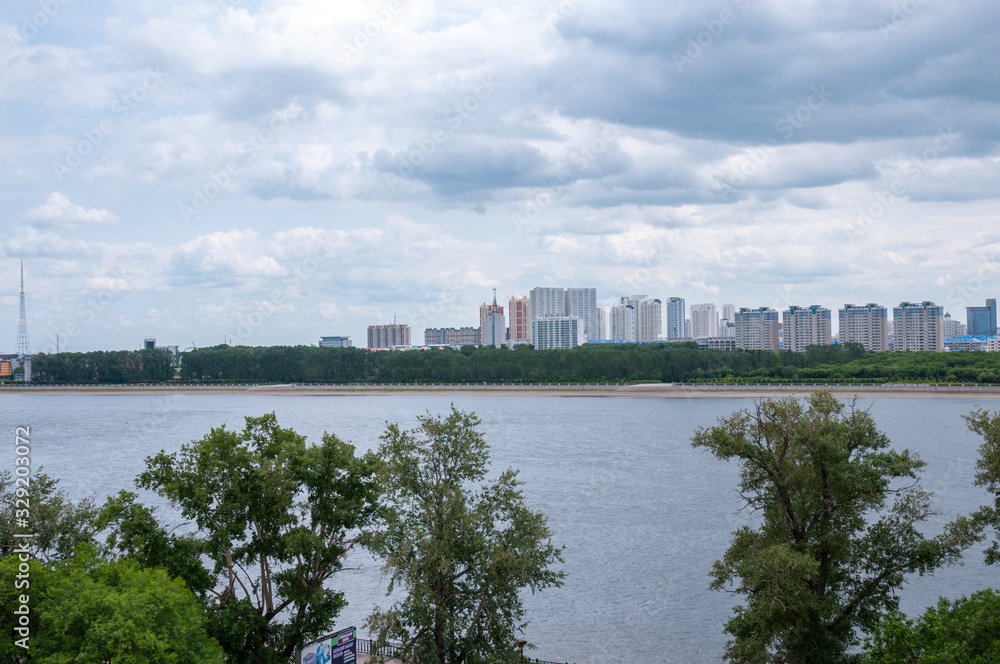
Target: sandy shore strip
{"points": [[647, 390]]}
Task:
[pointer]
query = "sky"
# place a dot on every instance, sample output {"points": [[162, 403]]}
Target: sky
{"points": [[209, 171]]}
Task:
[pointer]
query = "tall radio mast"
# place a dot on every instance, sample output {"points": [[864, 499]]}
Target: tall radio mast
{"points": [[23, 349]]}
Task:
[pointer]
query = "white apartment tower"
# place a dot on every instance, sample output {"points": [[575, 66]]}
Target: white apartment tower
{"points": [[623, 318], [866, 324], [649, 320], [704, 321], [579, 303], [555, 332], [918, 326], [806, 326]]}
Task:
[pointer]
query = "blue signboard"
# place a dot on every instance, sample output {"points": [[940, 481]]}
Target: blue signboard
{"points": [[338, 648]]}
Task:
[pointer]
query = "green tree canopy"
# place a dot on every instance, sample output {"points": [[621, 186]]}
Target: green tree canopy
{"points": [[829, 554], [463, 550], [277, 518], [966, 631], [84, 609], [59, 524], [987, 425]]}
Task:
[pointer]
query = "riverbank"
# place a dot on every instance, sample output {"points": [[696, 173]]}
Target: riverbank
{"points": [[646, 390]]}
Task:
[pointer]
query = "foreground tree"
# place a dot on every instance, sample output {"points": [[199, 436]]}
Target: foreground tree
{"points": [[276, 517], [462, 551], [987, 425], [85, 609], [829, 553], [961, 632], [59, 524]]}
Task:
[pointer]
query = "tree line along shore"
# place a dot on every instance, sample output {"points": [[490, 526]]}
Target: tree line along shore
{"points": [[681, 362]]}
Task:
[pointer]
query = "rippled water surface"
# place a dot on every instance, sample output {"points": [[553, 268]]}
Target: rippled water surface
{"points": [[642, 515]]}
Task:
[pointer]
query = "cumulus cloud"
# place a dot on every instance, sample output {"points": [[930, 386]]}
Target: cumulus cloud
{"points": [[58, 210]]}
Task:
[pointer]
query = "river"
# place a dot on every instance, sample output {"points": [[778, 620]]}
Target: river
{"points": [[642, 514]]}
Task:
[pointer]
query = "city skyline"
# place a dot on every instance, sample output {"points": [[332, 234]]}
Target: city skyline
{"points": [[270, 172]]}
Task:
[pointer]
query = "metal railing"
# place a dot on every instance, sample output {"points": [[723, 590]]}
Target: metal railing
{"points": [[367, 647]]}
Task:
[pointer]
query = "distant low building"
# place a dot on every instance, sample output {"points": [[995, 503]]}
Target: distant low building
{"points": [[716, 343], [335, 342], [451, 336], [971, 342], [149, 343]]}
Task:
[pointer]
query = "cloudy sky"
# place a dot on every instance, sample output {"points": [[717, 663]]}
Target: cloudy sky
{"points": [[272, 171]]}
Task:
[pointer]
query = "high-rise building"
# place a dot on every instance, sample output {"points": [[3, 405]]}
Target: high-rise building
{"points": [[496, 330], [676, 321], [918, 326], [519, 310], [579, 303], [602, 326], [623, 320], [485, 311], [806, 326], [555, 332], [866, 324], [649, 320], [387, 336], [704, 321], [757, 329], [982, 320], [729, 312], [953, 328]]}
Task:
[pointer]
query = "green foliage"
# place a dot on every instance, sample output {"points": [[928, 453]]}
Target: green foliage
{"points": [[85, 610], [135, 533], [117, 366], [656, 362], [966, 631], [829, 553], [276, 518], [652, 362], [987, 425], [59, 524], [462, 550]]}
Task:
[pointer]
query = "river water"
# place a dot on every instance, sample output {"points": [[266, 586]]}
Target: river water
{"points": [[642, 514]]}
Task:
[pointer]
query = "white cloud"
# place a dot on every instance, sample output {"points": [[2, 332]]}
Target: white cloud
{"points": [[58, 210]]}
